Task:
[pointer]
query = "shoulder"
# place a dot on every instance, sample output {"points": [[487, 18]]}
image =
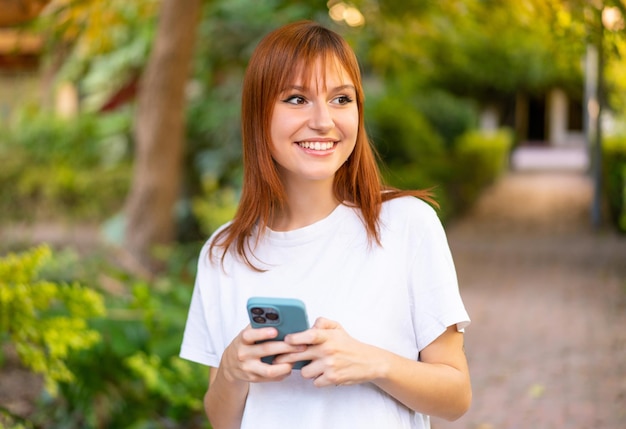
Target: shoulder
{"points": [[410, 218], [212, 244], [408, 208]]}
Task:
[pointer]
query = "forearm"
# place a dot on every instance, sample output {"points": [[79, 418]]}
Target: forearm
{"points": [[225, 400], [430, 388]]}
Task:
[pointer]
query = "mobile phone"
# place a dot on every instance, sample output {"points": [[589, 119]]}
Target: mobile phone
{"points": [[287, 315]]}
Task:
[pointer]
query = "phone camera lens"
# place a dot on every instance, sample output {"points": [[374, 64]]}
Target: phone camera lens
{"points": [[259, 319], [272, 316], [256, 311]]}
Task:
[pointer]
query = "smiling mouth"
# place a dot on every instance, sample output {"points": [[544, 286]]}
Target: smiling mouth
{"points": [[316, 145]]}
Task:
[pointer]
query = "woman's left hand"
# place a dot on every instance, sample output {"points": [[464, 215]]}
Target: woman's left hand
{"points": [[438, 384], [336, 358]]}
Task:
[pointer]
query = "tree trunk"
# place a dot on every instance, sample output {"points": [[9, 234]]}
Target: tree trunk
{"points": [[159, 133]]}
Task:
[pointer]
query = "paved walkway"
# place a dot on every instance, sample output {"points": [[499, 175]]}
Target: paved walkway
{"points": [[547, 296]]}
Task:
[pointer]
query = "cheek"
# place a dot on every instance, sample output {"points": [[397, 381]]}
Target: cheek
{"points": [[283, 125], [350, 123], [277, 134]]}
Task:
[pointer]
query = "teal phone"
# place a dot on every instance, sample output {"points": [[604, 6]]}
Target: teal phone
{"points": [[287, 315]]}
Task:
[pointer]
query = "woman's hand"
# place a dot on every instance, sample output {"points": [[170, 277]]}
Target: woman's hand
{"points": [[438, 384], [241, 360], [336, 358]]}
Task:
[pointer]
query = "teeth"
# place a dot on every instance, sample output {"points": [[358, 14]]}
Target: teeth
{"points": [[316, 145]]}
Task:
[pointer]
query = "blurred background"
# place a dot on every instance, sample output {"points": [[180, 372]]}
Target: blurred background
{"points": [[120, 154]]}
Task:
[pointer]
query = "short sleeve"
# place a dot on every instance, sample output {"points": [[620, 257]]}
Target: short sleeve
{"points": [[197, 344], [434, 285]]}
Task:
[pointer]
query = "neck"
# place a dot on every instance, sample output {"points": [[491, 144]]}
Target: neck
{"points": [[307, 203]]}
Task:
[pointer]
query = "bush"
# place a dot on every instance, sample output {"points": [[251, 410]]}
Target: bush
{"points": [[56, 168], [416, 155], [400, 131], [87, 140], [214, 207], [119, 369], [133, 378], [479, 158], [413, 153], [450, 116], [50, 191], [45, 321], [614, 180]]}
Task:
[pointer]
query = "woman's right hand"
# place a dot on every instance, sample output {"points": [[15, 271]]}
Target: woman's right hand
{"points": [[241, 360]]}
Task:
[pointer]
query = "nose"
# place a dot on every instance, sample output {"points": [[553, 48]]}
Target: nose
{"points": [[321, 118]]}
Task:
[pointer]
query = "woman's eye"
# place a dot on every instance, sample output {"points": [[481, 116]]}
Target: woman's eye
{"points": [[295, 99], [342, 99]]}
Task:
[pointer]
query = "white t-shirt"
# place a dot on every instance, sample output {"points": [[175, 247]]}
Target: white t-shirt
{"points": [[399, 296]]}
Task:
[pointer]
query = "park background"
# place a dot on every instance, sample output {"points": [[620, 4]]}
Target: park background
{"points": [[119, 144]]}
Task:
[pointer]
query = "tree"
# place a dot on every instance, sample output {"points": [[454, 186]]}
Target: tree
{"points": [[483, 49], [159, 132]]}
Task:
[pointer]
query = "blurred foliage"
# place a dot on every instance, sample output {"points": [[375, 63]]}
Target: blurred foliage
{"points": [[103, 44], [215, 207], [87, 140], [447, 155], [59, 168], [480, 157], [13, 422], [130, 376], [450, 115], [614, 73], [414, 154], [614, 179], [484, 49], [44, 320], [402, 133], [94, 28]]}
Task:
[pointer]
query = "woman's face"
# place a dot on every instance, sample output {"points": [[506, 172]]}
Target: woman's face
{"points": [[314, 125]]}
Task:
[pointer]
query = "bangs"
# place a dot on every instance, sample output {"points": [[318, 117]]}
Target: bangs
{"points": [[305, 72], [317, 46]]}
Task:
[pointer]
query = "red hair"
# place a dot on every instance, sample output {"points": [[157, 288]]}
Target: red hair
{"points": [[282, 55]]}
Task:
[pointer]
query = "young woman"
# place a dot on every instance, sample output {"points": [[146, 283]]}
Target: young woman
{"points": [[372, 264]]}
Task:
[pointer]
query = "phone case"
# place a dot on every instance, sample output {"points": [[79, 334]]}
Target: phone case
{"points": [[285, 314]]}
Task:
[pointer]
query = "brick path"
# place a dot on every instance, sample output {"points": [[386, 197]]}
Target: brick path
{"points": [[547, 296]]}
